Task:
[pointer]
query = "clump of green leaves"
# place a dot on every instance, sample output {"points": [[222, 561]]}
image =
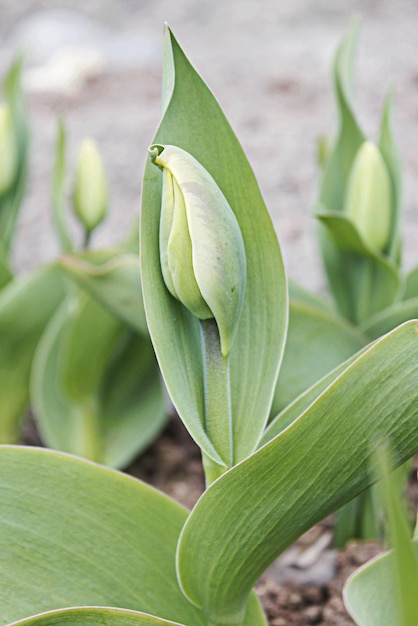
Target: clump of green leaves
{"points": [[359, 212], [74, 344], [136, 550]]}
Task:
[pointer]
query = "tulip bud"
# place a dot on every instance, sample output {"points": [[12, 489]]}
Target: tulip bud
{"points": [[90, 189], [8, 150], [368, 196], [201, 247]]}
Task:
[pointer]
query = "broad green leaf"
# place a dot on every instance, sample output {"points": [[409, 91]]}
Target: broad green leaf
{"points": [[317, 342], [194, 122], [11, 203], [26, 306], [390, 317], [59, 195], [96, 388], [254, 511], [73, 533], [390, 153], [94, 616], [368, 281], [114, 280]]}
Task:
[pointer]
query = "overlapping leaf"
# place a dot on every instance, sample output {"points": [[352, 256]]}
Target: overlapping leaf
{"points": [[254, 511], [194, 121]]}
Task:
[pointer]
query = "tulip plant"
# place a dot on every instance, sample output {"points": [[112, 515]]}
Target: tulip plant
{"points": [[70, 346], [359, 232], [83, 544]]}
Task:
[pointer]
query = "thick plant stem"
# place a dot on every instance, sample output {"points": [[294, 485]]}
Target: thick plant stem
{"points": [[218, 417]]}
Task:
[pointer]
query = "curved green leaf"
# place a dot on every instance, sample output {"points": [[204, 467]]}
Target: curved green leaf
{"points": [[194, 121], [317, 341], [390, 153], [371, 596], [258, 508], [96, 388], [368, 282], [350, 136], [73, 533], [26, 305], [94, 616], [113, 278]]}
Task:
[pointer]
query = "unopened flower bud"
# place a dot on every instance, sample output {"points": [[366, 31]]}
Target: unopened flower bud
{"points": [[368, 196], [8, 150], [201, 246], [90, 190]]}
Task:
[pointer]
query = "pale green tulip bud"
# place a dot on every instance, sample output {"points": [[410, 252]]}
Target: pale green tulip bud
{"points": [[91, 194], [201, 246], [368, 196], [8, 150]]}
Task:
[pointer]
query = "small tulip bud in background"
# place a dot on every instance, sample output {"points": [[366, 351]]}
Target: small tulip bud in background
{"points": [[90, 197], [8, 150], [201, 246], [368, 196]]}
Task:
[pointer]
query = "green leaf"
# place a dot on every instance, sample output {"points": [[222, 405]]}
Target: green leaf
{"points": [[6, 274], [350, 136], [10, 205], [390, 317], [364, 281], [59, 197], [411, 287], [390, 153], [73, 533], [26, 305], [96, 388], [194, 122], [257, 509], [94, 616], [113, 278], [317, 341]]}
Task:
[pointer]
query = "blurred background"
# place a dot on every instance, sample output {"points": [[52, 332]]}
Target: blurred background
{"points": [[98, 62]]}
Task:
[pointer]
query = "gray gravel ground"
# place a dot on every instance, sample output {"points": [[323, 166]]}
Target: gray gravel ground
{"points": [[268, 62]]}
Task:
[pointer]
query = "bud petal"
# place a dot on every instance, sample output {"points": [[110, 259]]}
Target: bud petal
{"points": [[201, 247], [8, 150], [90, 190], [368, 196]]}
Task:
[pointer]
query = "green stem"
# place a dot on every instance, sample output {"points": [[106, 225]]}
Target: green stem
{"points": [[217, 392], [87, 237]]}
